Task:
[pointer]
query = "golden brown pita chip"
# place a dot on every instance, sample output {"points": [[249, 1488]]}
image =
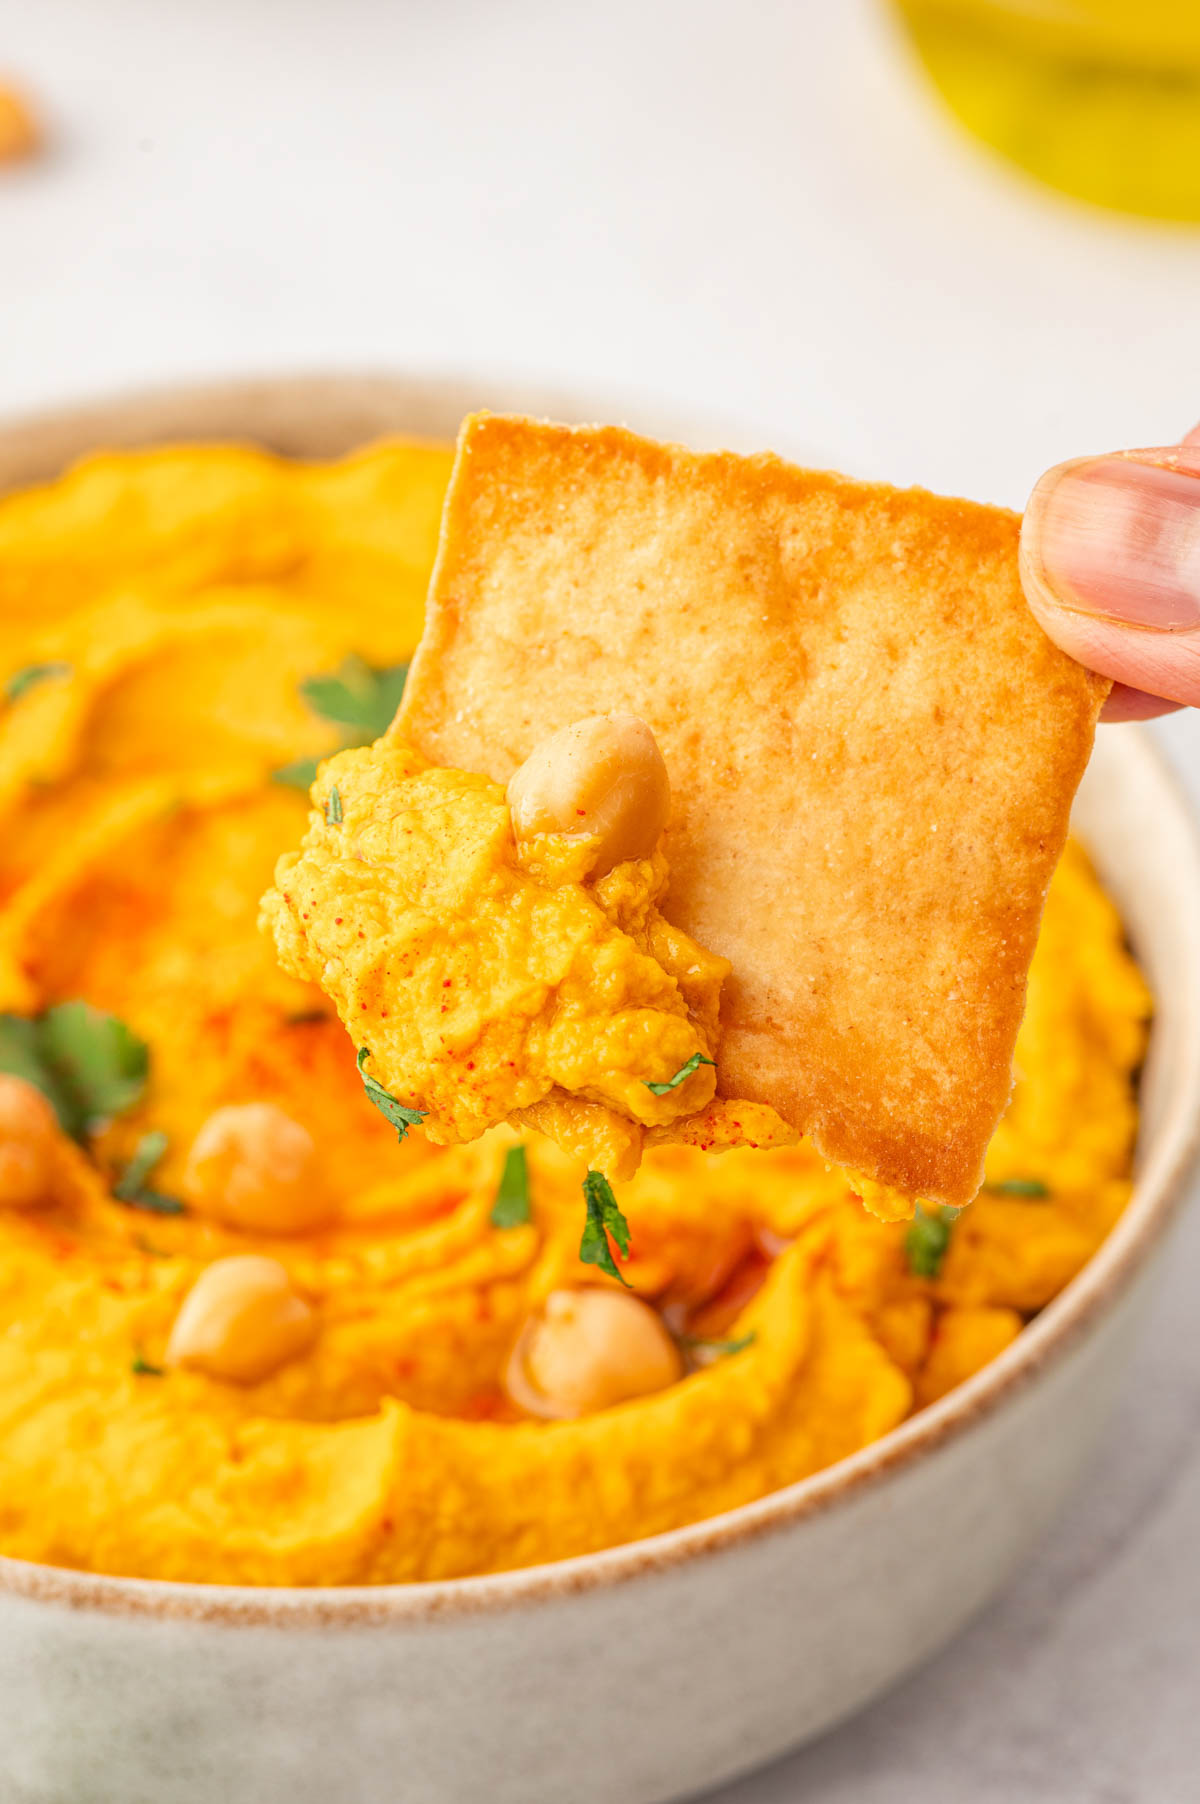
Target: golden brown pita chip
{"points": [[872, 745]]}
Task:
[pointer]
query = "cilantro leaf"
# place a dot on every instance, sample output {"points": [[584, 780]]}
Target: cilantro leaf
{"points": [[685, 1071], [30, 675], [358, 696], [301, 774], [1031, 1187], [131, 1186], [99, 1061], [603, 1218], [720, 1349], [144, 1369], [333, 808], [928, 1240], [398, 1113], [88, 1065], [511, 1207]]}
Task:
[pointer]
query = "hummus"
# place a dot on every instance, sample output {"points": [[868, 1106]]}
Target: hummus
{"points": [[173, 604], [488, 979]]}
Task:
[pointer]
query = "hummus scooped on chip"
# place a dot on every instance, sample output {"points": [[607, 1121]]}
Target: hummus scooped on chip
{"points": [[872, 746]]}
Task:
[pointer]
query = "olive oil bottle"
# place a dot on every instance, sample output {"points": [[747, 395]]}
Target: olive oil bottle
{"points": [[1100, 98]]}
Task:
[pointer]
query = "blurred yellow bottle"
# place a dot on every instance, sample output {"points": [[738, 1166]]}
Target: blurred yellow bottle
{"points": [[1098, 97]]}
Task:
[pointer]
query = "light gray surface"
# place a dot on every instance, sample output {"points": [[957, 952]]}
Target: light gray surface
{"points": [[749, 209]]}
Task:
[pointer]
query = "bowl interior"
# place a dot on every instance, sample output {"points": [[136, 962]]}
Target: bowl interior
{"points": [[1130, 813]]}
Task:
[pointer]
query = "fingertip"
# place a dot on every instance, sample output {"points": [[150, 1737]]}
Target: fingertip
{"points": [[1125, 703]]}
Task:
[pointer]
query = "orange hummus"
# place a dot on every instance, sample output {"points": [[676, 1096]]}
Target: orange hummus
{"points": [[174, 607]]}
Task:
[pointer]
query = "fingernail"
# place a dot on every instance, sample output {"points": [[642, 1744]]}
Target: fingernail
{"points": [[1118, 537]]}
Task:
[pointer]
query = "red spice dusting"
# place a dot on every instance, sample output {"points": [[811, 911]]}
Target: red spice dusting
{"points": [[337, 921], [405, 1366], [446, 982], [386, 1525]]}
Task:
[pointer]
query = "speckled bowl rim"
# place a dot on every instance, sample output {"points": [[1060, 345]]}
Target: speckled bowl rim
{"points": [[274, 412]]}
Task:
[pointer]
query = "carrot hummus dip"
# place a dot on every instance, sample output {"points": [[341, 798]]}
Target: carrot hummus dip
{"points": [[246, 1336]]}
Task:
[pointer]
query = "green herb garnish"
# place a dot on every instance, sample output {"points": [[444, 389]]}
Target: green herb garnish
{"points": [[928, 1239], [88, 1064], [360, 698], [720, 1349], [398, 1113], [30, 676], [511, 1207], [131, 1186], [603, 1218], [685, 1071], [333, 808], [144, 1369], [1030, 1187]]}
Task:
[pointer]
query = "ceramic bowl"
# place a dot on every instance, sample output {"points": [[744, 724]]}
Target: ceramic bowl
{"points": [[663, 1667]]}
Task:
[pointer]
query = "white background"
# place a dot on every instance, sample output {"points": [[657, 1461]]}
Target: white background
{"points": [[752, 209]]}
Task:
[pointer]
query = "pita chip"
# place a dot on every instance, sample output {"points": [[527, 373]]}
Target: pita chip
{"points": [[872, 746]]}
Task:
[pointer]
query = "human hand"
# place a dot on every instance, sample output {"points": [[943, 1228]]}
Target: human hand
{"points": [[1110, 562]]}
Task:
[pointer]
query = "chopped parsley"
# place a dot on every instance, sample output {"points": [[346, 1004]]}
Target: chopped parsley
{"points": [[358, 697], [398, 1113], [718, 1349], [603, 1218], [131, 1187], [1030, 1187], [928, 1240], [511, 1207], [89, 1065], [21, 681], [333, 808], [685, 1071], [143, 1369]]}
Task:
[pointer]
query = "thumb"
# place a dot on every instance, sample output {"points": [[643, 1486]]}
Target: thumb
{"points": [[1110, 562]]}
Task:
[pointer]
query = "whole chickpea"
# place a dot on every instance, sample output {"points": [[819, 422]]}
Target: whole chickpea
{"points": [[602, 778], [587, 1350], [253, 1166], [241, 1321], [30, 1138]]}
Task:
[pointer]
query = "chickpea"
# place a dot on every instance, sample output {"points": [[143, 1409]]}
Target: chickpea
{"points": [[252, 1166], [29, 1143], [241, 1321], [589, 1349], [603, 778]]}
